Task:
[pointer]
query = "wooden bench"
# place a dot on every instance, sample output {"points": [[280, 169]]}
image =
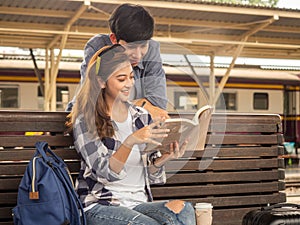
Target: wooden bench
{"points": [[239, 170]]}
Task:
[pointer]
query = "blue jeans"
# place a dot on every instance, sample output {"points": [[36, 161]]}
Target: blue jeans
{"points": [[150, 213]]}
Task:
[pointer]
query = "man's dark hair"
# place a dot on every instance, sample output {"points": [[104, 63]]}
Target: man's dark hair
{"points": [[131, 23]]}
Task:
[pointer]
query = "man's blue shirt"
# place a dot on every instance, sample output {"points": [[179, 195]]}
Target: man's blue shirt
{"points": [[150, 79]]}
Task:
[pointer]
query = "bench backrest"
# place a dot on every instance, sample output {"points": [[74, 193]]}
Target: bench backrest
{"points": [[238, 171]]}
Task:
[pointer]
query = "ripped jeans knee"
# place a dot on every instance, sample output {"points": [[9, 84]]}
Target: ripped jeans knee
{"points": [[174, 212], [175, 205]]}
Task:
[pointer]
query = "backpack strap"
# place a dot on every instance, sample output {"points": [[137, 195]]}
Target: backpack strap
{"points": [[42, 149]]}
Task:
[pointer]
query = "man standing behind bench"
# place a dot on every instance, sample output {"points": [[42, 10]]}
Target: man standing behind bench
{"points": [[132, 26]]}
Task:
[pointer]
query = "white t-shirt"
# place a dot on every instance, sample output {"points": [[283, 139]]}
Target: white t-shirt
{"points": [[129, 191]]}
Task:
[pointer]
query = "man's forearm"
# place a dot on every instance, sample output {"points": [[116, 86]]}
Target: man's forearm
{"points": [[153, 110]]}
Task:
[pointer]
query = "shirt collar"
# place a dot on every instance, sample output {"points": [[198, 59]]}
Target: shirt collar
{"points": [[140, 65], [134, 112]]}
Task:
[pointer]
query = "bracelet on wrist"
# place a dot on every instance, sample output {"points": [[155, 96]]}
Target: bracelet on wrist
{"points": [[143, 104], [129, 146], [153, 163]]}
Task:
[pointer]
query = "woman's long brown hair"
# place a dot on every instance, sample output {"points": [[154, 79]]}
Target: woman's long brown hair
{"points": [[90, 101]]}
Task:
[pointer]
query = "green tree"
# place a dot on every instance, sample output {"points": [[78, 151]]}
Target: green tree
{"points": [[270, 3]]}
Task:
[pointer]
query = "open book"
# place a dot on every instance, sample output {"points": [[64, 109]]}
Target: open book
{"points": [[181, 129]]}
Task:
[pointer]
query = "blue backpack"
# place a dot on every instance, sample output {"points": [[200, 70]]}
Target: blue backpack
{"points": [[46, 195]]}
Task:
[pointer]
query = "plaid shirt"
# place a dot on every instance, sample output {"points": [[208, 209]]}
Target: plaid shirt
{"points": [[95, 154]]}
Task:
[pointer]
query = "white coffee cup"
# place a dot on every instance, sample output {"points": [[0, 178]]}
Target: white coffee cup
{"points": [[203, 213]]}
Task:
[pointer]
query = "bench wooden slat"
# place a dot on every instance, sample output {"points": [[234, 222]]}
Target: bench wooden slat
{"points": [[238, 139], [247, 200], [238, 151], [27, 154], [32, 116], [219, 165], [215, 189], [5, 212], [251, 128], [245, 118], [236, 200], [19, 169], [10, 184], [230, 216], [220, 177], [29, 141], [6, 223], [7, 199], [53, 126]]}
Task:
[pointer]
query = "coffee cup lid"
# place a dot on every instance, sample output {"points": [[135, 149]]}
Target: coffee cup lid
{"points": [[203, 205]]}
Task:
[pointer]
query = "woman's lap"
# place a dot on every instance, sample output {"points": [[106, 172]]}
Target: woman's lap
{"points": [[150, 213], [116, 215]]}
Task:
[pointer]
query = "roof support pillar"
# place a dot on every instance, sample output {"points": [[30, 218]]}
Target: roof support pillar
{"points": [[51, 95], [238, 51], [196, 78], [54, 71], [212, 81], [46, 81]]}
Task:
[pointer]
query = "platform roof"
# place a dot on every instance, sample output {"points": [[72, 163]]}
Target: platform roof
{"points": [[198, 26]]}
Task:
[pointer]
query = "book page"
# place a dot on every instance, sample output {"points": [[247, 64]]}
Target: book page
{"points": [[182, 129]]}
